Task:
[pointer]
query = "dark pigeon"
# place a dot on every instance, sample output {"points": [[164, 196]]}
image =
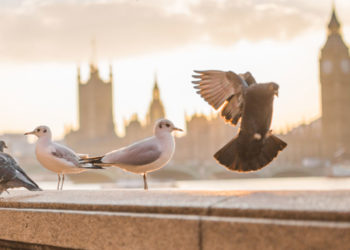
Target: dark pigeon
{"points": [[12, 175], [241, 98]]}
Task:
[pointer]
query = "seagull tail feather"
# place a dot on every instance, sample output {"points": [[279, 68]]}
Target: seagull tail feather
{"points": [[89, 163], [91, 160]]}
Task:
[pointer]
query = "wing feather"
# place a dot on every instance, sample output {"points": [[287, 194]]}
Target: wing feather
{"points": [[220, 88], [140, 153]]}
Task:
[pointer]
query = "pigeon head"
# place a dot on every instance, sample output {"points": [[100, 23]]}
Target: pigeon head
{"points": [[40, 131], [273, 87], [2, 146], [165, 126]]}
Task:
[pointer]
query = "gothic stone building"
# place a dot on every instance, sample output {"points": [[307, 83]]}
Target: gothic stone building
{"points": [[96, 124], [324, 139], [335, 89]]}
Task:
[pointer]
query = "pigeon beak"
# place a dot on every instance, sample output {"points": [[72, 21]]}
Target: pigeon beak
{"points": [[177, 129], [5, 146], [276, 93], [30, 133]]}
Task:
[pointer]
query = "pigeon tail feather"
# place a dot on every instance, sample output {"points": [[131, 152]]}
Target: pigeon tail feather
{"points": [[28, 184], [231, 158]]}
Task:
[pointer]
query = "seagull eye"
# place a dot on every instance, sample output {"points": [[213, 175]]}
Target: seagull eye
{"points": [[38, 130], [44, 130], [167, 125], [160, 125]]}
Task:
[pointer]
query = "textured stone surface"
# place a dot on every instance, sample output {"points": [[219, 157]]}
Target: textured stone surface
{"points": [[173, 219], [99, 230], [306, 205], [241, 233]]}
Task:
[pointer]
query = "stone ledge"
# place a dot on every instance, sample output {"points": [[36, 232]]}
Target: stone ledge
{"points": [[173, 219], [301, 205]]}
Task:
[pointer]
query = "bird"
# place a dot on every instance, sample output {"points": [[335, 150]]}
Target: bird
{"points": [[242, 99], [12, 175], [56, 157], [143, 156]]}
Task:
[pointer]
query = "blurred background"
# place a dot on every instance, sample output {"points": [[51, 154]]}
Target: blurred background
{"points": [[101, 72]]}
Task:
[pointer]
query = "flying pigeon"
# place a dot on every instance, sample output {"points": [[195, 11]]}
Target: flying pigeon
{"points": [[143, 156], [242, 98], [12, 175], [56, 157]]}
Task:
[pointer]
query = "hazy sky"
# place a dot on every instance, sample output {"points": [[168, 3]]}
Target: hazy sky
{"points": [[43, 41]]}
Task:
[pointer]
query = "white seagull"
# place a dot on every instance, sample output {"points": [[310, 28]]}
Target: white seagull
{"points": [[143, 156], [56, 157]]}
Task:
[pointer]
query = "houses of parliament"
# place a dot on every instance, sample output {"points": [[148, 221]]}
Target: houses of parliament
{"points": [[96, 132]]}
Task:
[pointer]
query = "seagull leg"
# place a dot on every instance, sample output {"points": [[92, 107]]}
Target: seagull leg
{"points": [[62, 181], [145, 186], [58, 183]]}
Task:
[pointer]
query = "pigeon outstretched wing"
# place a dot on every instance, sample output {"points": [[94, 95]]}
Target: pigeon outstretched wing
{"points": [[220, 88]]}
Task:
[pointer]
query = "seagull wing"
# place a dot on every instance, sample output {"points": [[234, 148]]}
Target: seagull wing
{"points": [[140, 153], [220, 87], [65, 154]]}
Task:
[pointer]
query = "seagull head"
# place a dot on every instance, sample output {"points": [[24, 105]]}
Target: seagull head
{"points": [[40, 131], [2, 146], [165, 126], [274, 88]]}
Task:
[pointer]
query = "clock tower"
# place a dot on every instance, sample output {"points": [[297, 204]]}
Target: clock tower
{"points": [[335, 90]]}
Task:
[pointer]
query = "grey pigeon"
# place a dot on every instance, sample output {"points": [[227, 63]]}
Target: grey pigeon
{"points": [[12, 175], [242, 98]]}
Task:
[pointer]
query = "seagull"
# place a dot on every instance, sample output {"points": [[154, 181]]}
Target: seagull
{"points": [[143, 156], [241, 97], [56, 157], [12, 175]]}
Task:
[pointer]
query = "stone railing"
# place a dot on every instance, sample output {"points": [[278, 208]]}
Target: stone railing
{"points": [[170, 219]]}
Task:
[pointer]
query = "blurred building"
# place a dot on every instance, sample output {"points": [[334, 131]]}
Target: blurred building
{"points": [[95, 109], [319, 143], [335, 90], [96, 134], [310, 146]]}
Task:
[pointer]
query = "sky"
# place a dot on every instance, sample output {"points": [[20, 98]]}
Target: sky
{"points": [[42, 43]]}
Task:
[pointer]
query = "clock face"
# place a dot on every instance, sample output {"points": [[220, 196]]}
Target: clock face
{"points": [[327, 66], [345, 65]]}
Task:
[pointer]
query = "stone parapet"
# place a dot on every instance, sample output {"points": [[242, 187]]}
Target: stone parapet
{"points": [[172, 219]]}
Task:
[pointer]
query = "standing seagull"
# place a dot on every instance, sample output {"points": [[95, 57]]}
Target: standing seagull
{"points": [[255, 146], [12, 175], [56, 157], [143, 156]]}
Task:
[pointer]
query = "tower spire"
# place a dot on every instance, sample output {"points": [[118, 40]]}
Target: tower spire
{"points": [[78, 75], [110, 73], [155, 88], [93, 67], [334, 25], [93, 50]]}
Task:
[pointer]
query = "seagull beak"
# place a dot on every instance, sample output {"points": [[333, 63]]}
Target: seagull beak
{"points": [[177, 129], [30, 133], [276, 93]]}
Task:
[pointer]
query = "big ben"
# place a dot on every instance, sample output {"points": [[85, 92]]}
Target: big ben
{"points": [[335, 91]]}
